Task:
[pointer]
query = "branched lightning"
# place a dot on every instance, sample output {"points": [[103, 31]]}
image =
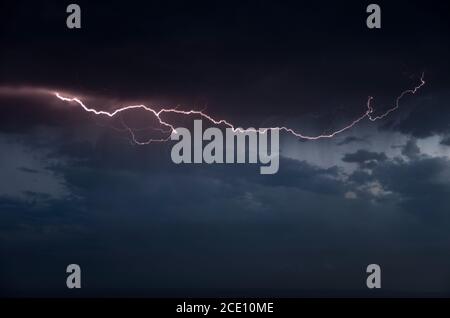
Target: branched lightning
{"points": [[171, 129]]}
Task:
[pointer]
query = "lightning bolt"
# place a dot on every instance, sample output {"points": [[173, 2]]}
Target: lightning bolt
{"points": [[160, 113]]}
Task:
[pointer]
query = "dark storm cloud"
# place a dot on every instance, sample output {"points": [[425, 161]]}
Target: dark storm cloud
{"points": [[122, 209], [363, 156], [126, 203], [425, 117], [423, 185], [29, 170], [361, 177], [445, 141], [307, 177], [411, 150], [419, 185], [97, 171], [352, 139]]}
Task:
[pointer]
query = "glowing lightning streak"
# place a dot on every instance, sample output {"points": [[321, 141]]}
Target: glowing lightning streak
{"points": [[367, 114]]}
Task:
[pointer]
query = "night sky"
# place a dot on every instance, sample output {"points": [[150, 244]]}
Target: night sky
{"points": [[74, 189]]}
